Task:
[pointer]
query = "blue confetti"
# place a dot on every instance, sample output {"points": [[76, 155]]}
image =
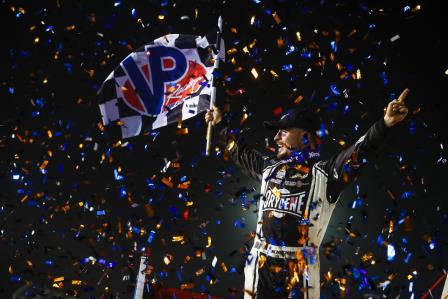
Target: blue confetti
{"points": [[49, 262], [412, 126], [151, 236], [150, 184], [111, 265], [335, 89], [287, 67], [383, 77], [408, 257], [334, 47], [380, 240], [291, 49], [39, 102], [68, 67], [123, 192], [306, 54], [432, 245], [239, 224], [117, 176], [15, 278], [407, 195], [390, 252]]}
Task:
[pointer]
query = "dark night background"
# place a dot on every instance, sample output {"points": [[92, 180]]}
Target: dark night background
{"points": [[54, 56]]}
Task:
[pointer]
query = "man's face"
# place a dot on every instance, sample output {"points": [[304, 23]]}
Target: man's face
{"points": [[290, 139]]}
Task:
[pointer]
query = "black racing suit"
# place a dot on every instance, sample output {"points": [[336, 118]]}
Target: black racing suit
{"points": [[298, 196]]}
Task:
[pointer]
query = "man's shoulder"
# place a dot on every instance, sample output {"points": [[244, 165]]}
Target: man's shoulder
{"points": [[270, 160], [322, 167]]}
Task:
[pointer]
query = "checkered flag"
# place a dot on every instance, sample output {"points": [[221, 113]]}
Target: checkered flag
{"points": [[161, 82]]}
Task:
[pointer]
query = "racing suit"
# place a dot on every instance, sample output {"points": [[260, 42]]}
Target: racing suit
{"points": [[298, 196]]}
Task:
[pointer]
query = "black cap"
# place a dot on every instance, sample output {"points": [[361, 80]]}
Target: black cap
{"points": [[296, 118]]}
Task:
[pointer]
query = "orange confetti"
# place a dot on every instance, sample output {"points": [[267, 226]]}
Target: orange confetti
{"points": [[224, 267], [298, 99], [244, 118], [276, 17], [177, 239], [119, 226], [167, 181], [185, 286], [280, 42], [407, 224], [43, 165], [182, 131], [175, 165], [168, 258], [91, 73], [184, 185], [231, 51], [149, 210]]}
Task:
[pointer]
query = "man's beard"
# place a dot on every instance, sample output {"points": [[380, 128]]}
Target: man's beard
{"points": [[283, 152]]}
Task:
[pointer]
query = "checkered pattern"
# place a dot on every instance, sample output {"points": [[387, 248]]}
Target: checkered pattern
{"points": [[118, 114]]}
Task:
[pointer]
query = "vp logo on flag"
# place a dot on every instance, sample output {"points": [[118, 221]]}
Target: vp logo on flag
{"points": [[160, 78], [169, 74]]}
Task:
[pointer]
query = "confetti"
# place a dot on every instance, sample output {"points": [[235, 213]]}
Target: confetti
{"points": [[69, 183], [254, 73]]}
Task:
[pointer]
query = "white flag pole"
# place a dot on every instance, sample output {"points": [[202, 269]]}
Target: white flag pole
{"points": [[445, 289], [141, 278], [213, 91]]}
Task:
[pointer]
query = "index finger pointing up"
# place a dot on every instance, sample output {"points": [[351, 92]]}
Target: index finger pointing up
{"points": [[403, 95]]}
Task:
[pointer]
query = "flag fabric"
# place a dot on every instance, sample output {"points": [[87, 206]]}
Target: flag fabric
{"points": [[164, 81]]}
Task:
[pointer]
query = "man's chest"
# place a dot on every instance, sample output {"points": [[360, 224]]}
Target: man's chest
{"points": [[286, 191]]}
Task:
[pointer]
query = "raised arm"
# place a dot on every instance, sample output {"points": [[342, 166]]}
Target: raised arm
{"points": [[343, 167], [240, 152]]}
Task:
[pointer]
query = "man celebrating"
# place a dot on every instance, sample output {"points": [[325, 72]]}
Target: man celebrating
{"points": [[299, 193]]}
